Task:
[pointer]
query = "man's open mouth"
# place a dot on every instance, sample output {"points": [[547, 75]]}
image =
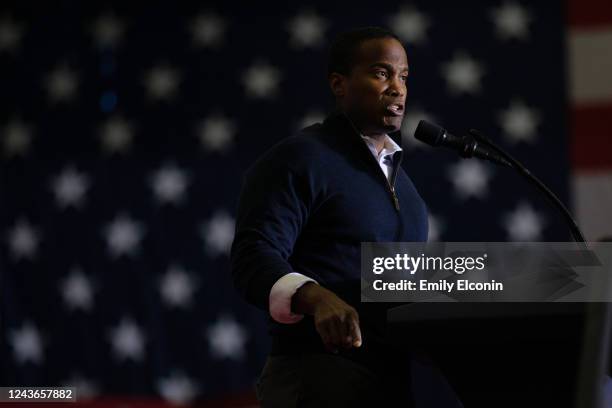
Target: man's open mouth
{"points": [[395, 108]]}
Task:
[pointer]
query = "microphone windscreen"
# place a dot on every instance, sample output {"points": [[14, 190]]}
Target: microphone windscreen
{"points": [[429, 133]]}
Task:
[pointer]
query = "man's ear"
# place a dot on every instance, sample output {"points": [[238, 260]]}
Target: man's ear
{"points": [[337, 83]]}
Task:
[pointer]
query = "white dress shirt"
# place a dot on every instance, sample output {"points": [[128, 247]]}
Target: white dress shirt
{"points": [[283, 289]]}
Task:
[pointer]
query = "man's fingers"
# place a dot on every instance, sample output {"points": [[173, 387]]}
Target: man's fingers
{"points": [[326, 331], [355, 330], [348, 336], [327, 342], [340, 329], [336, 331]]}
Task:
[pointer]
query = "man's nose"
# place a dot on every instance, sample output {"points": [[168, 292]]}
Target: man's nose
{"points": [[397, 88]]}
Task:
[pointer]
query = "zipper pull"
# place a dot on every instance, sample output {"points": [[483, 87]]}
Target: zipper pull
{"points": [[395, 200]]}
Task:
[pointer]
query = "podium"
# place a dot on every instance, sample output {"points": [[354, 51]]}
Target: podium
{"points": [[498, 354]]}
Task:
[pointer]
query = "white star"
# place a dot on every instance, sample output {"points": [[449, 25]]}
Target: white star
{"points": [[70, 187], [216, 132], [169, 184], [261, 80], [16, 137], [123, 236], [409, 125], [310, 118], [519, 122], [116, 135], [27, 344], [107, 30], [470, 178], [177, 287], [218, 233], [306, 30], [410, 25], [178, 388], [511, 21], [436, 226], [226, 338], [10, 34], [162, 82], [77, 290], [85, 389], [463, 74], [208, 30], [23, 240], [127, 340], [523, 224], [62, 84]]}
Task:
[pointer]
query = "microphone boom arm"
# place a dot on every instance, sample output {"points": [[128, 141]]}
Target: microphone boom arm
{"points": [[575, 230]]}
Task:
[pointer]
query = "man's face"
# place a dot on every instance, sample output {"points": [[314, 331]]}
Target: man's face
{"points": [[374, 94]]}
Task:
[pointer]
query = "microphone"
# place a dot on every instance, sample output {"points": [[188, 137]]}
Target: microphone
{"points": [[466, 146]]}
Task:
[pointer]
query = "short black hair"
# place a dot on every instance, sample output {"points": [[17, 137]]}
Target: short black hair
{"points": [[343, 50]]}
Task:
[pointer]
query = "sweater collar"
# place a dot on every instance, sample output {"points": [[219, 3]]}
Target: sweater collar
{"points": [[345, 131]]}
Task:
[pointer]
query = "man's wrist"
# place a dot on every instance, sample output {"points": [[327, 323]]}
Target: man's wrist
{"points": [[306, 298]]}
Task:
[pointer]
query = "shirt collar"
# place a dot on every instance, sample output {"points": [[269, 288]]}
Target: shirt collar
{"points": [[389, 146]]}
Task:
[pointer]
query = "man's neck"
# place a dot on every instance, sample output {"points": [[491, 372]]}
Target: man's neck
{"points": [[378, 140]]}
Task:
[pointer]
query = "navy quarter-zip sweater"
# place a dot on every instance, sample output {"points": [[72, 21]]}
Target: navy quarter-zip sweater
{"points": [[306, 206]]}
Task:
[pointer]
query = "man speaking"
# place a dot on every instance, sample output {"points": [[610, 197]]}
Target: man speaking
{"points": [[305, 207]]}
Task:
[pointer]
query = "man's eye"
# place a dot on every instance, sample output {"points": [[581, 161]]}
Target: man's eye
{"points": [[404, 78], [381, 72]]}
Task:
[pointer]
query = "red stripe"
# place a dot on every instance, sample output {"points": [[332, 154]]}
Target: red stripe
{"points": [[589, 13], [591, 131]]}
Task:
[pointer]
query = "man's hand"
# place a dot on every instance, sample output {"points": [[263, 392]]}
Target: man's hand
{"points": [[336, 322]]}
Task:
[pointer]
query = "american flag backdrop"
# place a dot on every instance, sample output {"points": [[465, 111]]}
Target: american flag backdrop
{"points": [[125, 129]]}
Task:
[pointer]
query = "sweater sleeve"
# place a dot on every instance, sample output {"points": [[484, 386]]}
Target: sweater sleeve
{"points": [[273, 207]]}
